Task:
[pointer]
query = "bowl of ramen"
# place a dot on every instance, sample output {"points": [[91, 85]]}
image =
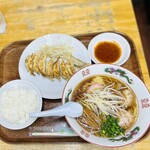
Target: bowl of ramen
{"points": [[113, 105]]}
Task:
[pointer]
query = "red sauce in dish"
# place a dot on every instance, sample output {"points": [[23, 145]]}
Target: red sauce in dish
{"points": [[107, 52]]}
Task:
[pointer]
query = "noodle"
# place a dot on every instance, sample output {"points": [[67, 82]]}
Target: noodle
{"points": [[106, 100]]}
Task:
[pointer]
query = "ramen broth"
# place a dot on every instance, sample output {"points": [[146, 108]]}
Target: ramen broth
{"points": [[110, 106]]}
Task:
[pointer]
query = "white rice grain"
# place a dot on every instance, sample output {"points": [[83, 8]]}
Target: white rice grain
{"points": [[16, 105]]}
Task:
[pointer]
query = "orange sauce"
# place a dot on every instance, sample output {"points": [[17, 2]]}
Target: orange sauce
{"points": [[107, 52]]}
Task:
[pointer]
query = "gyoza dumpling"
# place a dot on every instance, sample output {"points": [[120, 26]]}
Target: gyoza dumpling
{"points": [[29, 62], [49, 69], [56, 72], [63, 70], [36, 64], [42, 65], [78, 63], [70, 67]]}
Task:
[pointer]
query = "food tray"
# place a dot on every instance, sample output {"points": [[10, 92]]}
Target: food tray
{"points": [[54, 129]]}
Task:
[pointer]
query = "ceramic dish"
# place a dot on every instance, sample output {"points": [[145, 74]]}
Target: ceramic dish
{"points": [[110, 37], [10, 89], [142, 122], [50, 89]]}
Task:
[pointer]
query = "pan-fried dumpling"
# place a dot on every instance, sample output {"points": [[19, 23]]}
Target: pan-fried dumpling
{"points": [[70, 67], [42, 65], [49, 69], [63, 70], [56, 72], [36, 64], [78, 63], [29, 62]]}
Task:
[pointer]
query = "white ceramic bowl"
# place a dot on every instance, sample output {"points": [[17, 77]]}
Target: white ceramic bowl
{"points": [[23, 85], [111, 37], [143, 99]]}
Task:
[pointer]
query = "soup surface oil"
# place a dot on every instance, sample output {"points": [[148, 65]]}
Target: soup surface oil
{"points": [[107, 52]]}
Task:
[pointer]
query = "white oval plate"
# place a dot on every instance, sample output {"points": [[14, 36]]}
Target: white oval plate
{"points": [[112, 37], [50, 89], [25, 85], [142, 94]]}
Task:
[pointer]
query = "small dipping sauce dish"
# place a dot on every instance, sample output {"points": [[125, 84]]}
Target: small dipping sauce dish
{"points": [[109, 48]]}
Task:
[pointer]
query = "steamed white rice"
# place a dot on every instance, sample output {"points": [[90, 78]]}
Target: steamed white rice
{"points": [[16, 104]]}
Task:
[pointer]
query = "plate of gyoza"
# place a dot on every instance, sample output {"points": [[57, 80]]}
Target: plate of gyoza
{"points": [[50, 60]]}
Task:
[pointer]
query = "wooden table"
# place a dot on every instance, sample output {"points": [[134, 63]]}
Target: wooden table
{"points": [[30, 19]]}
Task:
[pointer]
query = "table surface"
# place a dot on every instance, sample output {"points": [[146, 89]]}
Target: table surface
{"points": [[30, 19]]}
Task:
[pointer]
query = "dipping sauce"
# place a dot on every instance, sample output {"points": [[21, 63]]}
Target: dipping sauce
{"points": [[107, 52]]}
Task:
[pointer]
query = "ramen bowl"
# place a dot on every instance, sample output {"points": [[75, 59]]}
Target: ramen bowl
{"points": [[96, 98]]}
